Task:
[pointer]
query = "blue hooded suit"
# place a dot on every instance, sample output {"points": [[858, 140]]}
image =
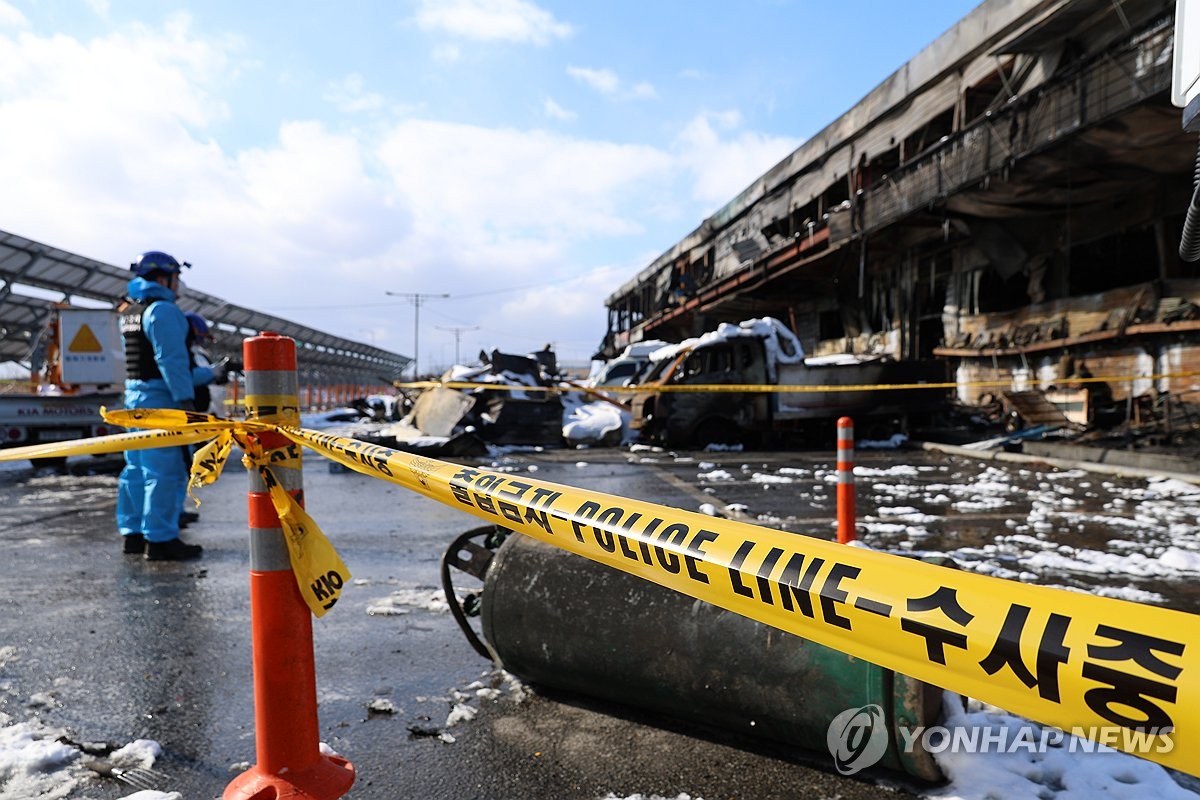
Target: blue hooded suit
{"points": [[152, 485]]}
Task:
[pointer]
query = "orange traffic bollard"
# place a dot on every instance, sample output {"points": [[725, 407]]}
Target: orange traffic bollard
{"points": [[845, 480], [287, 743]]}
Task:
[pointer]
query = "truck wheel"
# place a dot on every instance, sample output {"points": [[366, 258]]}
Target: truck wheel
{"points": [[652, 432], [717, 431], [655, 434], [56, 463], [879, 429]]}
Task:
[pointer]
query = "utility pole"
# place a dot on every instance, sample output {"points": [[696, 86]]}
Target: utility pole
{"points": [[458, 332], [417, 298]]}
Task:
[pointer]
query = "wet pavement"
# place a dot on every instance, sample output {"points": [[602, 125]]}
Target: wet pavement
{"points": [[112, 648], [1132, 538]]}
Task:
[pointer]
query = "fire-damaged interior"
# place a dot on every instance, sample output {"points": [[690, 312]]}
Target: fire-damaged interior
{"points": [[1009, 202]]}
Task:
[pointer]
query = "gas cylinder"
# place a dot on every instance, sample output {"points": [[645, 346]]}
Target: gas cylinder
{"points": [[556, 619]]}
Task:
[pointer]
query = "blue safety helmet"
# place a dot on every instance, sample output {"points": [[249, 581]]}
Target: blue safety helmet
{"points": [[156, 261], [199, 325]]}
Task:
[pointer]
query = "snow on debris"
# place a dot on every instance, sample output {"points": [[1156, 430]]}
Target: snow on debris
{"points": [[1074, 769]]}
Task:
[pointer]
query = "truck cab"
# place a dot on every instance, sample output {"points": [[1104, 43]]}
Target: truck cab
{"points": [[628, 367], [772, 388], [674, 416]]}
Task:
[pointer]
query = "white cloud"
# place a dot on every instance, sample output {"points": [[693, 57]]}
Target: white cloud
{"points": [[89, 132], [447, 53], [11, 17], [507, 182], [313, 186], [643, 90], [99, 7], [608, 83], [577, 306], [492, 20], [113, 158], [110, 79], [574, 299], [555, 111], [723, 167], [349, 96], [604, 81], [308, 219]]}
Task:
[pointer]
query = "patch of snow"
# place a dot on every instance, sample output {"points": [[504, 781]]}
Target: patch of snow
{"points": [[1073, 769], [894, 442], [402, 601]]}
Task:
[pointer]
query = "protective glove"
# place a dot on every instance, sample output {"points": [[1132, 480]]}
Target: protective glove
{"points": [[187, 405], [221, 369]]}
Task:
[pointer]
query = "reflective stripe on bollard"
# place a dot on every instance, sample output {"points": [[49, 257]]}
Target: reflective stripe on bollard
{"points": [[845, 480]]}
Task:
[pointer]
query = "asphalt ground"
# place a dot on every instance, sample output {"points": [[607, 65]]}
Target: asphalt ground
{"points": [[113, 648]]}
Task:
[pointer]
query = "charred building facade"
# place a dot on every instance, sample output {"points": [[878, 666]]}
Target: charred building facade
{"points": [[1009, 202]]}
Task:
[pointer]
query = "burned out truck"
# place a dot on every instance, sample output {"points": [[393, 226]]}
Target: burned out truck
{"points": [[764, 352]]}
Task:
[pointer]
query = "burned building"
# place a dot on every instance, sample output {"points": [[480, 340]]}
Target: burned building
{"points": [[1010, 202]]}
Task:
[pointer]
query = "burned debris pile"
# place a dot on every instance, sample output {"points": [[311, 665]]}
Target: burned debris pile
{"points": [[672, 395], [509, 401], [506, 400]]}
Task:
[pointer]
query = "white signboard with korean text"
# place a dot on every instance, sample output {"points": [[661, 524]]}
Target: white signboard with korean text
{"points": [[91, 349]]}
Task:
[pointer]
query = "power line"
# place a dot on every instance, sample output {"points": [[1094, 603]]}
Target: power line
{"points": [[458, 332], [417, 298], [468, 296], [324, 306], [567, 279], [512, 334]]}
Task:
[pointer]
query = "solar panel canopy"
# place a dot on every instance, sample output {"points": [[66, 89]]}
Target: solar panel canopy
{"points": [[34, 277]]}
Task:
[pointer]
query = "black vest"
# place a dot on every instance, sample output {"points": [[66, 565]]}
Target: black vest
{"points": [[139, 353]]}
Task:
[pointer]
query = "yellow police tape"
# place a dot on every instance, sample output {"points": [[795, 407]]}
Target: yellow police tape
{"points": [[114, 443], [1063, 658], [769, 388], [320, 572], [1080, 662]]}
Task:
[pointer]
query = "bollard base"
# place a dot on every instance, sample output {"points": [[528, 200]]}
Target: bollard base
{"points": [[328, 779]]}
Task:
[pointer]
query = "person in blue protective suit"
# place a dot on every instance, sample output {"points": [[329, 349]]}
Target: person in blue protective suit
{"points": [[157, 375], [204, 373]]}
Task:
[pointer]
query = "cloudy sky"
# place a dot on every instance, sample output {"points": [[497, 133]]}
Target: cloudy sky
{"points": [[526, 157]]}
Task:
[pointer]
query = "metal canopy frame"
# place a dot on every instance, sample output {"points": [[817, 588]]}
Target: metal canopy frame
{"points": [[32, 274]]}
